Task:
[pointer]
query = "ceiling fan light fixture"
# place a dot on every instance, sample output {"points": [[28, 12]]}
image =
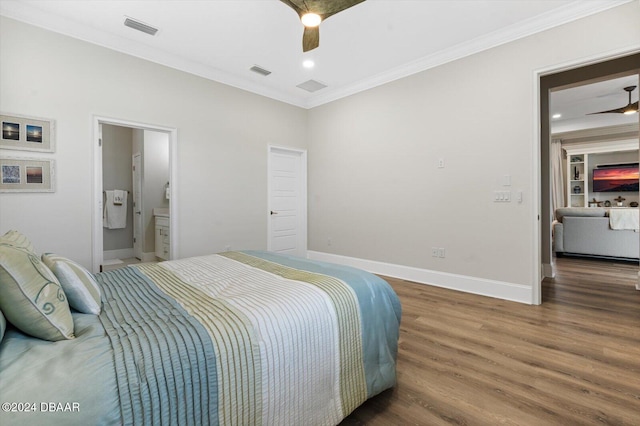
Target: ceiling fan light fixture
{"points": [[311, 20]]}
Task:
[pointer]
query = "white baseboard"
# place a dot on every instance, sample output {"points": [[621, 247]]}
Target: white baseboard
{"points": [[149, 257], [118, 254], [498, 289], [127, 254]]}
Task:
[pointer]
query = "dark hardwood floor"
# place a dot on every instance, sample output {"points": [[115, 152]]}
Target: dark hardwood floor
{"points": [[472, 360]]}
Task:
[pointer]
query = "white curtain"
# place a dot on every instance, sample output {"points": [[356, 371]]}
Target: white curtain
{"points": [[557, 182]]}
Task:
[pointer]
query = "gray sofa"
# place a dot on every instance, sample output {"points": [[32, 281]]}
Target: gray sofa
{"points": [[585, 231]]}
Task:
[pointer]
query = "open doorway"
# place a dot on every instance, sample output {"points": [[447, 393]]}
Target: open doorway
{"points": [[135, 196], [623, 67]]}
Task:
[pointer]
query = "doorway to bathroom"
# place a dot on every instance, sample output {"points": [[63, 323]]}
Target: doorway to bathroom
{"points": [[134, 195]]}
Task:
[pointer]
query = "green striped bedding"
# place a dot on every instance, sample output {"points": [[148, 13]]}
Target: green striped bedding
{"points": [[237, 338]]}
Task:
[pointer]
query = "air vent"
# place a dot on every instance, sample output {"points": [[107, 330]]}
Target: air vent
{"points": [[260, 70], [311, 86], [140, 26]]}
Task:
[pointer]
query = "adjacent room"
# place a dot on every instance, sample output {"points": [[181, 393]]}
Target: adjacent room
{"points": [[362, 212]]}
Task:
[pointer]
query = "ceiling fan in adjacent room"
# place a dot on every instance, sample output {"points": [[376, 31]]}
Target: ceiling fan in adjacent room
{"points": [[312, 13], [630, 108]]}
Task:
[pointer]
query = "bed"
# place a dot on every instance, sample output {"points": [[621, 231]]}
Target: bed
{"points": [[235, 338]]}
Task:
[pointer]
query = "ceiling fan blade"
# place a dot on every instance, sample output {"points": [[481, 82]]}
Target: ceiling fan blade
{"points": [[300, 10], [310, 38], [324, 8], [617, 110], [331, 8]]}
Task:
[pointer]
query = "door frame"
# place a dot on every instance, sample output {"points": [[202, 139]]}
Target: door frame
{"points": [[96, 220], [137, 245], [302, 202], [540, 183]]}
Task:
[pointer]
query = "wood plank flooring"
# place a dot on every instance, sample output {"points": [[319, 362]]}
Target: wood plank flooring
{"points": [[472, 360]]}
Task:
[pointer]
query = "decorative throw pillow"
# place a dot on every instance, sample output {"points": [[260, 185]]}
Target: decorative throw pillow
{"points": [[31, 297], [16, 239], [78, 284], [3, 326]]}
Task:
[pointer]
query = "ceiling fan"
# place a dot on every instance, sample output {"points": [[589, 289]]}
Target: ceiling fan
{"points": [[631, 108], [312, 13]]}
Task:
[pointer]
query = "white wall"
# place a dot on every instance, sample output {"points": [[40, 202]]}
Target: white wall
{"points": [[156, 176], [223, 134], [374, 185]]}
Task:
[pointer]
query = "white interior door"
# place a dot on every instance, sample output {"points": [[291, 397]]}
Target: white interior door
{"points": [[137, 205], [287, 201]]}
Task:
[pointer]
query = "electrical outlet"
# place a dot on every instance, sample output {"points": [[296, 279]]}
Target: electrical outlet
{"points": [[329, 241], [441, 252], [434, 251], [441, 163]]}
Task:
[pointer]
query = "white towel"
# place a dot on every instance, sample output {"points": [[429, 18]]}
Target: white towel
{"points": [[119, 197], [624, 219], [114, 215]]}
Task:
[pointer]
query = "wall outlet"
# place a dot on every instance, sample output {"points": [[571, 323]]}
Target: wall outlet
{"points": [[329, 241], [437, 252], [441, 163]]}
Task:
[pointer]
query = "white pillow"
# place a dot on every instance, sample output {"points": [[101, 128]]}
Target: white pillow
{"points": [[81, 288]]}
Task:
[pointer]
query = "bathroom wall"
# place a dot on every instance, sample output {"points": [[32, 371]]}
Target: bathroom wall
{"points": [[117, 145]]}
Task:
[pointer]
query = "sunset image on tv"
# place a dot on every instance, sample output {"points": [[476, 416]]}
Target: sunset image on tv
{"points": [[616, 179]]}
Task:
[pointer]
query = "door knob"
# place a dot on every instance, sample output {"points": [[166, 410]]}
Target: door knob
{"points": [[272, 212]]}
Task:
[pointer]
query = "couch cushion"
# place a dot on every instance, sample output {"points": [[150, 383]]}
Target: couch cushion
{"points": [[580, 212]]}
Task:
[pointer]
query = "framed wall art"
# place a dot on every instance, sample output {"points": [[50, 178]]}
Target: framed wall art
{"points": [[27, 133], [26, 175]]}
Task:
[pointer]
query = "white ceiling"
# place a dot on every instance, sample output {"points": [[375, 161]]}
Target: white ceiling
{"points": [[369, 44], [576, 103]]}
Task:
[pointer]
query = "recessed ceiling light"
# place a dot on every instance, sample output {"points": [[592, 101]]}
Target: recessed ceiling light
{"points": [[308, 63], [556, 116]]}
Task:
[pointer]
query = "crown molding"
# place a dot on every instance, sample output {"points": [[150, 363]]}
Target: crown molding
{"points": [[24, 12], [33, 16], [563, 15]]}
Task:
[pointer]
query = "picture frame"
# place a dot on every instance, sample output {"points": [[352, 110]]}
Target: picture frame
{"points": [[25, 133], [27, 174]]}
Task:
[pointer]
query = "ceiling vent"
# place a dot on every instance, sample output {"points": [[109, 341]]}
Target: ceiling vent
{"points": [[140, 26], [260, 70], [311, 86]]}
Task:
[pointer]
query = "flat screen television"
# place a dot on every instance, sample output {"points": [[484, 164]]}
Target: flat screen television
{"points": [[616, 178]]}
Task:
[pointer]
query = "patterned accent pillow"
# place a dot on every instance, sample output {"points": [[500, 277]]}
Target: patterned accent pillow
{"points": [[78, 284], [16, 239], [31, 297]]}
